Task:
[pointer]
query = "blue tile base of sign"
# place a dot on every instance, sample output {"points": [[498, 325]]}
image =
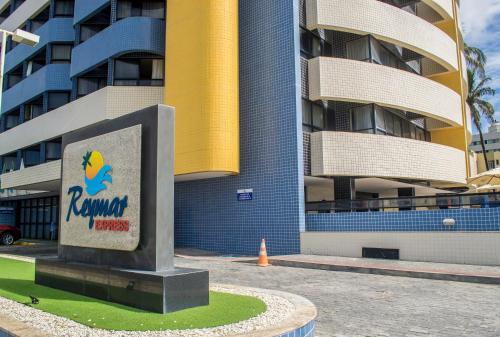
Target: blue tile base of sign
{"points": [[307, 330]]}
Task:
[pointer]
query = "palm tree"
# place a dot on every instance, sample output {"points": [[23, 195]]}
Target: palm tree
{"points": [[475, 59], [480, 108]]}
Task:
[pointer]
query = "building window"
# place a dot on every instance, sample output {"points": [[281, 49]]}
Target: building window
{"points": [[311, 45], [313, 116], [64, 8], [12, 119], [372, 118], [18, 3], [93, 80], [152, 9], [53, 150], [145, 72], [57, 99], [14, 76], [87, 85], [369, 49], [33, 109], [31, 156], [362, 119], [95, 24], [36, 63], [36, 216], [61, 53], [5, 14], [9, 162], [38, 21]]}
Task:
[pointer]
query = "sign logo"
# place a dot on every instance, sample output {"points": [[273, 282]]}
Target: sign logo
{"points": [[96, 173]]}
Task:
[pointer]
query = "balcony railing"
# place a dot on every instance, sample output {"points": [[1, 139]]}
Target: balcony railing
{"points": [[452, 201]]}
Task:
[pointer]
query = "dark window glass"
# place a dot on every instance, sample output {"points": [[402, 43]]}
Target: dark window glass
{"points": [[139, 72], [32, 111], [52, 151], [31, 156], [14, 77], [152, 9], [61, 53], [18, 3], [57, 99], [89, 85], [87, 31], [36, 63], [64, 7], [11, 120], [39, 20], [362, 118]]}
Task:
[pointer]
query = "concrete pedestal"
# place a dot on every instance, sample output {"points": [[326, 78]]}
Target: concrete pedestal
{"points": [[160, 291]]}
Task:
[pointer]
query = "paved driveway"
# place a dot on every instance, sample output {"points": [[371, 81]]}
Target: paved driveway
{"points": [[352, 304]]}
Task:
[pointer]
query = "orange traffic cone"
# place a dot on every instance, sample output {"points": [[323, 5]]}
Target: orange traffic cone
{"points": [[263, 262]]}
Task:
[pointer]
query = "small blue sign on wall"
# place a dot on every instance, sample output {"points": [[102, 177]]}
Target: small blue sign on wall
{"points": [[245, 195]]}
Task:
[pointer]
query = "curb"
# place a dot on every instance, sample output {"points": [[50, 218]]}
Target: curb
{"points": [[305, 314], [12, 328], [299, 323], [423, 274]]}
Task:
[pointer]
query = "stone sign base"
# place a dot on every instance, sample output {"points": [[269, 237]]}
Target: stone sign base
{"points": [[161, 291]]}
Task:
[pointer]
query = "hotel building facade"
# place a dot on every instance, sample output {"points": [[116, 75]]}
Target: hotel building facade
{"points": [[294, 101]]}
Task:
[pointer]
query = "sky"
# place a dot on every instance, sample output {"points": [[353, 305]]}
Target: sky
{"points": [[481, 27]]}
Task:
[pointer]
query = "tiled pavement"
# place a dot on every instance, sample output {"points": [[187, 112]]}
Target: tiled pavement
{"points": [[353, 304]]}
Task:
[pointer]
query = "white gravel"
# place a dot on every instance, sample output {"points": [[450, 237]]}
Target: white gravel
{"points": [[278, 310]]}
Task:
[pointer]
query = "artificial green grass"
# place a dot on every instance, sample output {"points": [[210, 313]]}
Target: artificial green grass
{"points": [[17, 283]]}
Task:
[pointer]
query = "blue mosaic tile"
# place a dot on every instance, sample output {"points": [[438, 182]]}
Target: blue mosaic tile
{"points": [[307, 330], [207, 213], [466, 220]]}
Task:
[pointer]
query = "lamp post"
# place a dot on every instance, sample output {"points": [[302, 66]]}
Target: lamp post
{"points": [[19, 36]]}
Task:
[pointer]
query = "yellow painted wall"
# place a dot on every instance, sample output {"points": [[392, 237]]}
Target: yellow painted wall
{"points": [[202, 84], [492, 156], [457, 137]]}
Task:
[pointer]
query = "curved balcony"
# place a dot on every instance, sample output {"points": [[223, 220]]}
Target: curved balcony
{"points": [[107, 103], [27, 10], [50, 77], [54, 30], [368, 155], [360, 82], [386, 23], [134, 34], [85, 8], [442, 7]]}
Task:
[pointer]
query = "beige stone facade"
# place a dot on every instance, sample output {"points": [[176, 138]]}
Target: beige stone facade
{"points": [[34, 177], [367, 155], [361, 82], [107, 103], [386, 23], [447, 247]]}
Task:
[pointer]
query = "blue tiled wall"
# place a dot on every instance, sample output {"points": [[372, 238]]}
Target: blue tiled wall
{"points": [[54, 30], [85, 8], [208, 215], [134, 34], [307, 330], [50, 77], [478, 219]]}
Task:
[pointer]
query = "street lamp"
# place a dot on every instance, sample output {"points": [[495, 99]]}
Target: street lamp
{"points": [[19, 36]]}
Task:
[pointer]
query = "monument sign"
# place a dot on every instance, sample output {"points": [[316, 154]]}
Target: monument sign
{"points": [[116, 229]]}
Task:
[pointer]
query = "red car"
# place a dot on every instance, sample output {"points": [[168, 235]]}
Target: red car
{"points": [[9, 234]]}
